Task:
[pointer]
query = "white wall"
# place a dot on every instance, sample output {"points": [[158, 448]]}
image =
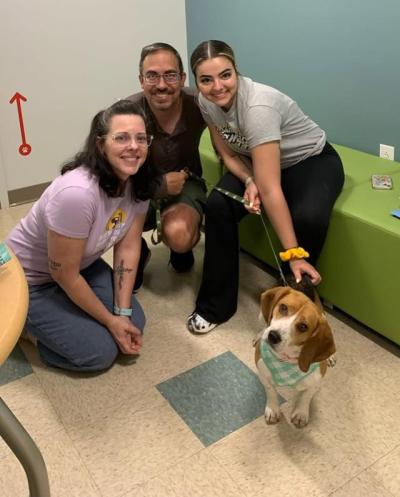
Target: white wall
{"points": [[70, 58]]}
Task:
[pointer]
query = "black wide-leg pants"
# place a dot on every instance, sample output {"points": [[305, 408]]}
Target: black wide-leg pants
{"points": [[310, 187]]}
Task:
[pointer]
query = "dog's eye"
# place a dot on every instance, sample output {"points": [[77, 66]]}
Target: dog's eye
{"points": [[283, 309], [302, 327]]}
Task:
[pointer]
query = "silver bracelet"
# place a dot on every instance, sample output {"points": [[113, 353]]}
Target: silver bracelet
{"points": [[248, 180]]}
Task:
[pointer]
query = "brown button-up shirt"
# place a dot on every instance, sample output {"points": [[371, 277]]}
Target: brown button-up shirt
{"points": [[180, 149]]}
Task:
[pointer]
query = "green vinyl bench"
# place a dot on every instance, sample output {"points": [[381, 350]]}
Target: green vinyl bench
{"points": [[360, 263]]}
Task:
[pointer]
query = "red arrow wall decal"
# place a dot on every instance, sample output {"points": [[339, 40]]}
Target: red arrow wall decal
{"points": [[24, 148]]}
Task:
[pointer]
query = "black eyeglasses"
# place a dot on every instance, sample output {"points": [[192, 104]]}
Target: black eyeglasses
{"points": [[153, 78]]}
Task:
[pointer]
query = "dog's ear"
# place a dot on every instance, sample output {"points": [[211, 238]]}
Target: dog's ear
{"points": [[318, 347], [317, 301], [269, 298]]}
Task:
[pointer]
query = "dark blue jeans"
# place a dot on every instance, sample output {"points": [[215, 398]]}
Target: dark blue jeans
{"points": [[67, 337]]}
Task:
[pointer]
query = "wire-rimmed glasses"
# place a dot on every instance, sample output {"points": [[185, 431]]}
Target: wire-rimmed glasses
{"points": [[124, 139], [153, 78]]}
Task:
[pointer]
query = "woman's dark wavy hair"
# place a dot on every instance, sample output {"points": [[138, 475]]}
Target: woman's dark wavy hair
{"points": [[91, 156]]}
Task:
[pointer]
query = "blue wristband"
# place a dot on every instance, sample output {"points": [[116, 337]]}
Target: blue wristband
{"points": [[122, 311], [4, 254]]}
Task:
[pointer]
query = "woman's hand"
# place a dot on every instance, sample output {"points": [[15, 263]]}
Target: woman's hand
{"points": [[127, 336], [252, 197], [300, 267]]}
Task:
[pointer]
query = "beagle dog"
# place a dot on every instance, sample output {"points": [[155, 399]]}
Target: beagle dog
{"points": [[293, 350]]}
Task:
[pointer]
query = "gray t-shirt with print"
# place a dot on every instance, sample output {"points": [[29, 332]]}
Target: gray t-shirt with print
{"points": [[262, 114]]}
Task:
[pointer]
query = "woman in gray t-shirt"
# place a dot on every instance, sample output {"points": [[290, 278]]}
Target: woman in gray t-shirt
{"points": [[276, 157]]}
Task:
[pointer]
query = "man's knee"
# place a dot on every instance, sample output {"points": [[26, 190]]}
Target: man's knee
{"points": [[181, 236], [180, 241]]}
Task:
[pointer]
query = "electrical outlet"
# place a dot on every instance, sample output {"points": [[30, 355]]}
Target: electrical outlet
{"points": [[386, 152]]}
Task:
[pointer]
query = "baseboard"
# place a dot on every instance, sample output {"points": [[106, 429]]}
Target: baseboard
{"points": [[27, 194]]}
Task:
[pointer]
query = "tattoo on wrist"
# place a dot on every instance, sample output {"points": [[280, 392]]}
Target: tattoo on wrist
{"points": [[54, 265], [120, 271]]}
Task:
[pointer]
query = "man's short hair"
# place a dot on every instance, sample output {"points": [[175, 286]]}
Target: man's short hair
{"points": [[156, 47]]}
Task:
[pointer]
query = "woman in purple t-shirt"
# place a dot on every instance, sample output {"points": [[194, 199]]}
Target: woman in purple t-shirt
{"points": [[81, 312]]}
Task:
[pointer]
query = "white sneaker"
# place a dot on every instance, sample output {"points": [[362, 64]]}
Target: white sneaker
{"points": [[196, 324]]}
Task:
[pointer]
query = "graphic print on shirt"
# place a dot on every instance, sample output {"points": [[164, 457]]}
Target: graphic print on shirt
{"points": [[233, 136], [115, 229]]}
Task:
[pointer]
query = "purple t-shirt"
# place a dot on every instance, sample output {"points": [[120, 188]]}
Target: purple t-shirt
{"points": [[73, 205]]}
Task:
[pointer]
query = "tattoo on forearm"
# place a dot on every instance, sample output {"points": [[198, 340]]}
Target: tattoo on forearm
{"points": [[120, 271], [54, 265]]}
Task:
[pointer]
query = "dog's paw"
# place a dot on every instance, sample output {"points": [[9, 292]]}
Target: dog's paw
{"points": [[331, 361], [272, 416], [300, 419]]}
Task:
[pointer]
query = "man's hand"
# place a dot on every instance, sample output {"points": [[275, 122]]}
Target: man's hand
{"points": [[126, 335], [175, 182]]}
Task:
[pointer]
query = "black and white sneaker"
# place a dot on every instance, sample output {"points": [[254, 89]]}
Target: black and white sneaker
{"points": [[196, 324]]}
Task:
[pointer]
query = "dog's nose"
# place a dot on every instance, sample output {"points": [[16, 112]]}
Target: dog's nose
{"points": [[274, 337]]}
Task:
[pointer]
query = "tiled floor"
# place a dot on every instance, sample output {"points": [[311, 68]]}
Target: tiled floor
{"points": [[186, 418]]}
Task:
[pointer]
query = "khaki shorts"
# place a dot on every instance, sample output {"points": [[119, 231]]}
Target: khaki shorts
{"points": [[194, 193]]}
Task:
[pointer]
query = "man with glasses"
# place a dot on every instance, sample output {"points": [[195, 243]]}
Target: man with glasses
{"points": [[176, 124]]}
